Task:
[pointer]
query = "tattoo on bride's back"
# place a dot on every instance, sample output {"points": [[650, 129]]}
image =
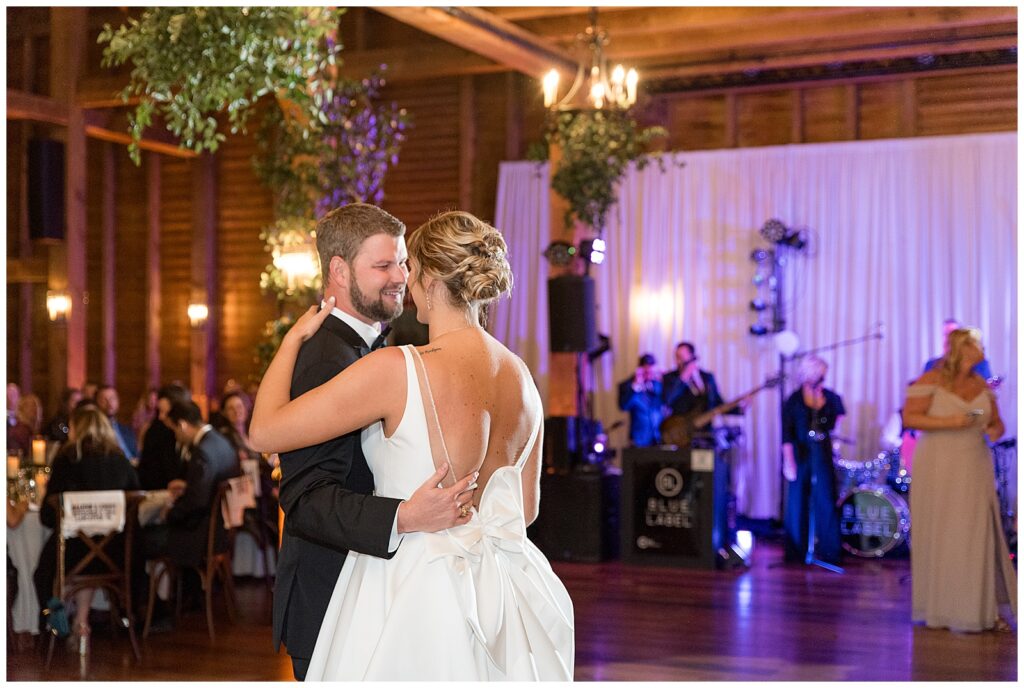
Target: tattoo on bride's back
{"points": [[430, 351]]}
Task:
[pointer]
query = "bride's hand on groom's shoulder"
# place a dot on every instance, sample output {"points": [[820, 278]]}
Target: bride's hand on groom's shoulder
{"points": [[306, 326]]}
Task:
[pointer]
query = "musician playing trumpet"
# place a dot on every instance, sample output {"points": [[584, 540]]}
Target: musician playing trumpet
{"points": [[808, 418]]}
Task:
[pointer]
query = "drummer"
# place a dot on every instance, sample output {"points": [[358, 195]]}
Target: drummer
{"points": [[808, 419]]}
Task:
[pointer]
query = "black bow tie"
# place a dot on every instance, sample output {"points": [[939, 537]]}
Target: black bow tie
{"points": [[379, 342]]}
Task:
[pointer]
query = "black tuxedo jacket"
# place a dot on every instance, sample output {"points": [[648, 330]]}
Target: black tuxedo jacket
{"points": [[327, 497]]}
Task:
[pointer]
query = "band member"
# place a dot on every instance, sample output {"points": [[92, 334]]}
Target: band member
{"points": [[689, 390], [808, 418], [950, 325], [640, 396]]}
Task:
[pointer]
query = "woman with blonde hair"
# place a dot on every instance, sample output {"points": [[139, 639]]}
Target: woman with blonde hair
{"points": [[962, 573], [91, 460], [477, 601], [808, 418]]}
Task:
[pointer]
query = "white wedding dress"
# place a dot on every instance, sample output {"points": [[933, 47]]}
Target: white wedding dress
{"points": [[476, 602]]}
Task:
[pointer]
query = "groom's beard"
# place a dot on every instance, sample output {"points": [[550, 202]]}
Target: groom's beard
{"points": [[377, 309]]}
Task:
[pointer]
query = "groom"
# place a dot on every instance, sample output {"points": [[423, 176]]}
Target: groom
{"points": [[327, 489]]}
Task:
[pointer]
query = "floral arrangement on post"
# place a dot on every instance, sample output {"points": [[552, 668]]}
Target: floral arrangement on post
{"points": [[597, 147], [323, 140]]}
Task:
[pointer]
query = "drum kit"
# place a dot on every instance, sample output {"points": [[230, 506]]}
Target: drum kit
{"points": [[874, 514]]}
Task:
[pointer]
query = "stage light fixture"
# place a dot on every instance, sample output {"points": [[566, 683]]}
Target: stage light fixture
{"points": [[760, 255], [794, 240], [774, 231], [758, 330], [559, 253], [758, 305]]}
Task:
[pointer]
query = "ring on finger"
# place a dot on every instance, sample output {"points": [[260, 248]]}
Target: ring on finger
{"points": [[464, 510]]}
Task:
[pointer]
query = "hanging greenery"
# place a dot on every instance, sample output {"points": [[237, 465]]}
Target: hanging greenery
{"points": [[190, 64], [323, 140], [597, 146]]}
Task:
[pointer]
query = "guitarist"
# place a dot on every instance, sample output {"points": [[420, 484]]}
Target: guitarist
{"points": [[690, 391]]}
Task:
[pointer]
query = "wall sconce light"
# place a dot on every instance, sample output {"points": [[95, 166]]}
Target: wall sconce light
{"points": [[58, 305], [197, 314]]}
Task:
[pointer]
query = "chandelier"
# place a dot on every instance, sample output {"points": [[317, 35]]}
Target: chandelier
{"points": [[612, 90]]}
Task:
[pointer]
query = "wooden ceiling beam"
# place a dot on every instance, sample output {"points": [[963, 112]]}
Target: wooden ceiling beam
{"points": [[414, 62], [34, 270], [733, 64], [104, 126], [870, 25], [486, 34], [653, 20], [517, 14]]}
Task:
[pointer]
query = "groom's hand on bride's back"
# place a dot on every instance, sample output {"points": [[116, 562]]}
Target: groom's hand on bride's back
{"points": [[432, 508]]}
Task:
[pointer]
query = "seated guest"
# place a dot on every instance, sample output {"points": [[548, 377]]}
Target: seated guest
{"points": [[160, 457], [640, 396], [182, 533], [91, 460], [28, 419], [109, 402], [144, 413], [57, 428], [235, 428]]}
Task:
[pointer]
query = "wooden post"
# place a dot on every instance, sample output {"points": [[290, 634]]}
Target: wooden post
{"points": [[202, 377], [26, 291], [797, 132], [467, 142], [108, 267], [908, 109], [562, 391], [513, 116], [852, 109], [731, 121], [67, 262], [153, 302]]}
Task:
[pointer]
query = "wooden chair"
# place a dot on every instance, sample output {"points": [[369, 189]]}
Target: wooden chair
{"points": [[115, 579], [214, 565]]}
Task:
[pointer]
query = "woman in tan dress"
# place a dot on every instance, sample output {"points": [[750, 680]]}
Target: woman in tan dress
{"points": [[963, 577]]}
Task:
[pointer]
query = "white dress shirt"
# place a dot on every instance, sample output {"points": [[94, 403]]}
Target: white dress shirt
{"points": [[368, 333]]}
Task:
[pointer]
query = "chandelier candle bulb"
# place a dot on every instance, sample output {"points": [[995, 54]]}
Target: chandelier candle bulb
{"points": [[550, 87], [632, 79], [13, 464]]}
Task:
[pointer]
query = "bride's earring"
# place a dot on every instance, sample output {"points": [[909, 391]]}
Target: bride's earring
{"points": [[430, 302]]}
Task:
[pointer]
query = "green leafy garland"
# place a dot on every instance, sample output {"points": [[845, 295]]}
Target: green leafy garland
{"points": [[182, 75]]}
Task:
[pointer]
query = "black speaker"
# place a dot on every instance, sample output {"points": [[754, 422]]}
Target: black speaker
{"points": [[46, 189], [571, 313], [579, 517], [676, 508]]}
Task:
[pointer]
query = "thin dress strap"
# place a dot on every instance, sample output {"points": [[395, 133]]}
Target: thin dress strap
{"points": [[525, 456], [436, 437]]}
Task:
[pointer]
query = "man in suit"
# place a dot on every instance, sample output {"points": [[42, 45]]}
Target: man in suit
{"points": [[690, 390], [161, 458], [109, 402], [640, 396], [186, 519], [327, 489]]}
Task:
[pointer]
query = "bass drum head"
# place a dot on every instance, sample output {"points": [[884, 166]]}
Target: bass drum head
{"points": [[873, 521]]}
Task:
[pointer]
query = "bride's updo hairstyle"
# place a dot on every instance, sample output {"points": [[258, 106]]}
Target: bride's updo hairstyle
{"points": [[467, 255]]}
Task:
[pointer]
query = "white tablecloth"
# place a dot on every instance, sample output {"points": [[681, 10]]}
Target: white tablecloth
{"points": [[24, 544]]}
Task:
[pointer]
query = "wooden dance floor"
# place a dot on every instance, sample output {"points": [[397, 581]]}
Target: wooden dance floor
{"points": [[633, 623]]}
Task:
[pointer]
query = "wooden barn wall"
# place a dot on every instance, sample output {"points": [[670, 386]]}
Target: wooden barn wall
{"points": [[918, 105], [244, 208], [175, 267]]}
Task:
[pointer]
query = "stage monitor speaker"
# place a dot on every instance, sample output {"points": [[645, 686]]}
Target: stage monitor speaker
{"points": [[676, 508], [46, 189], [571, 313], [579, 517]]}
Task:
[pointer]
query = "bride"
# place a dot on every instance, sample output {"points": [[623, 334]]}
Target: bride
{"points": [[478, 601]]}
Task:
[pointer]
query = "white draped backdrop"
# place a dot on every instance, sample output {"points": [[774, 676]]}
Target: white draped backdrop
{"points": [[905, 232]]}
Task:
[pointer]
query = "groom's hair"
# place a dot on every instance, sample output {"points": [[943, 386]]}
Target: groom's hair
{"points": [[342, 231]]}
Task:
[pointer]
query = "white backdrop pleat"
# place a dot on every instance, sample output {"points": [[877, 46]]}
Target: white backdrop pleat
{"points": [[903, 232]]}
